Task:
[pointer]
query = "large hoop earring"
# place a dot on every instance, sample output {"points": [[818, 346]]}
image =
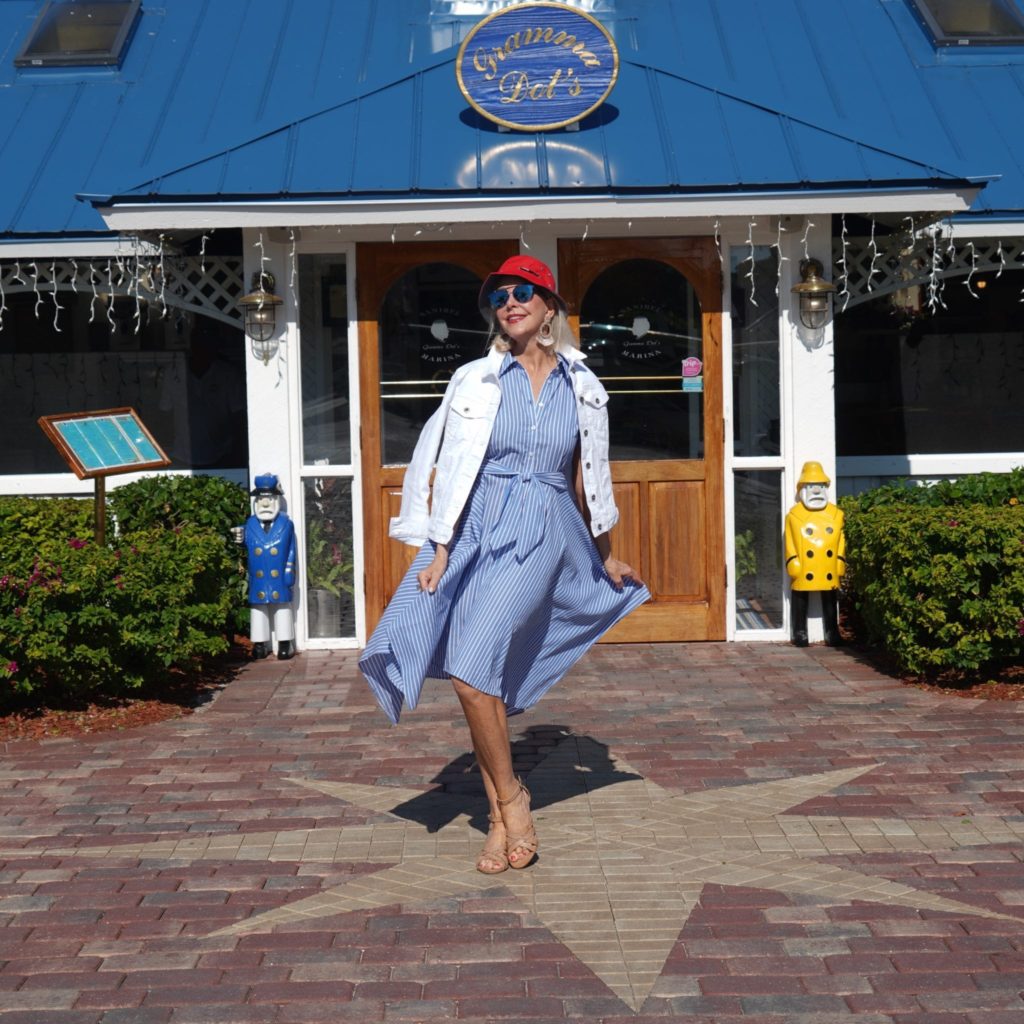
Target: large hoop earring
{"points": [[545, 336]]}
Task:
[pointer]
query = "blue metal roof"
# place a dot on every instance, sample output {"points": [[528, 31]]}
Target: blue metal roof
{"points": [[313, 98]]}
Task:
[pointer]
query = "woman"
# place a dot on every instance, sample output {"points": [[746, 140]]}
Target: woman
{"points": [[510, 587]]}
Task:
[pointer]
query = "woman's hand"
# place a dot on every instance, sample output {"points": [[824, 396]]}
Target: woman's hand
{"points": [[619, 571], [429, 578]]}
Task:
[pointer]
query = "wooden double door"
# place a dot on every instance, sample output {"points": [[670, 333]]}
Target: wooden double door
{"points": [[648, 315]]}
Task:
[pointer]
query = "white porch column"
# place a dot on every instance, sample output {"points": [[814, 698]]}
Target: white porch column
{"points": [[271, 390], [809, 380], [268, 386]]}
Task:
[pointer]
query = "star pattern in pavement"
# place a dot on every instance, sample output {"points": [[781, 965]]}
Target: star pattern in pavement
{"points": [[622, 862]]}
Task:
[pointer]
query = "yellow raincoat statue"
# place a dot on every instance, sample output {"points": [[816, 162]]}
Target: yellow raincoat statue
{"points": [[815, 552]]}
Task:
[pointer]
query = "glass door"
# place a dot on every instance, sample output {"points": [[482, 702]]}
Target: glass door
{"points": [[328, 557], [418, 322], [648, 315]]}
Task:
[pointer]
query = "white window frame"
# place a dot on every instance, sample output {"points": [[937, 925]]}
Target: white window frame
{"points": [[352, 471]]}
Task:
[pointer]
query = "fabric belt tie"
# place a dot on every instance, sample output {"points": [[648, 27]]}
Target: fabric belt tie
{"points": [[519, 510]]}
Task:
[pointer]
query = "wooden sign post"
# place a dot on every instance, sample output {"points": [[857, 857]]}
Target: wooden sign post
{"points": [[101, 443]]}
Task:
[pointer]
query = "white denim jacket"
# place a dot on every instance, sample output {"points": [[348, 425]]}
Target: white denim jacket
{"points": [[461, 429]]}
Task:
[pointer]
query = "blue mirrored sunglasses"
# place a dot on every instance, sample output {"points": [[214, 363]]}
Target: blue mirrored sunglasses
{"points": [[521, 293]]}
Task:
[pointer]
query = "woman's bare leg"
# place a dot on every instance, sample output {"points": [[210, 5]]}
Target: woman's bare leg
{"points": [[488, 728]]}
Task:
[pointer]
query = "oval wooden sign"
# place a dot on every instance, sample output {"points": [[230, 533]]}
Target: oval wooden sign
{"points": [[537, 66]]}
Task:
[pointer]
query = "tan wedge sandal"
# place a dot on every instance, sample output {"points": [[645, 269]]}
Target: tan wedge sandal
{"points": [[527, 842], [487, 860]]}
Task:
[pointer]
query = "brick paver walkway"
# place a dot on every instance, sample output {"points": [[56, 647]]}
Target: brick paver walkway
{"points": [[740, 833]]}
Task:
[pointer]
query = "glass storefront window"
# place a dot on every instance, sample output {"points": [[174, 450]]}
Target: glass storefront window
{"points": [[184, 374], [911, 383], [758, 539], [755, 352], [323, 324], [429, 325], [639, 321], [329, 558]]}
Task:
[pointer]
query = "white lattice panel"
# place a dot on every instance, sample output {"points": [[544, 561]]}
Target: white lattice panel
{"points": [[873, 269], [207, 285]]}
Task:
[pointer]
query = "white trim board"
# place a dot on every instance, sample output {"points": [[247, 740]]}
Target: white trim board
{"points": [[928, 465], [511, 210], [62, 249]]}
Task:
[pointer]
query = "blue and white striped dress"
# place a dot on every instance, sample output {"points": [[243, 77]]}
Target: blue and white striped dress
{"points": [[525, 593]]}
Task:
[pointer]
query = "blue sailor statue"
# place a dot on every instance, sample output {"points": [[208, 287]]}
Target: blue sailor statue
{"points": [[269, 537]]}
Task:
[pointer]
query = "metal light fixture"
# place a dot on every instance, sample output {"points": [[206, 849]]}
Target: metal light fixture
{"points": [[814, 294], [259, 309]]}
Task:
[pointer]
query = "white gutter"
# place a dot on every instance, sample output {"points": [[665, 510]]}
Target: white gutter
{"points": [[62, 249], [985, 228], [512, 211]]}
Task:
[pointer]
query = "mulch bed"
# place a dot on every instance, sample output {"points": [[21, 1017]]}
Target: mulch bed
{"points": [[182, 697], [999, 682], [1007, 684]]}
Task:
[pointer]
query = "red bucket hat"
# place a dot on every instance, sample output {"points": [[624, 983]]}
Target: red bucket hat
{"points": [[527, 268]]}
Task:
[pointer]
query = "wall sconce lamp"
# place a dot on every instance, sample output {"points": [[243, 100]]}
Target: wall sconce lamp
{"points": [[259, 310], [814, 294]]}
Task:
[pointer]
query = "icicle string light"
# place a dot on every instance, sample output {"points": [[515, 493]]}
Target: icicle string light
{"points": [[163, 282], [718, 239], [110, 297], [972, 272], [949, 256], [803, 241], [35, 289], [264, 258], [95, 294], [281, 364], [3, 298], [57, 307], [1002, 260], [780, 259], [17, 274], [752, 258], [586, 231], [134, 286], [202, 252], [933, 278], [292, 260], [874, 257], [844, 291], [522, 237], [74, 275]]}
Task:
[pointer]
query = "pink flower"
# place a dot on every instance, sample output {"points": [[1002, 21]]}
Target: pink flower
{"points": [[77, 543], [1020, 628], [12, 667], [953, 522]]}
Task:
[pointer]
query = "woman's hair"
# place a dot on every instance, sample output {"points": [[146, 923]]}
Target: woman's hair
{"points": [[561, 331]]}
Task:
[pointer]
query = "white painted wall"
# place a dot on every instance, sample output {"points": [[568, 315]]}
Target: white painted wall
{"points": [[273, 430], [808, 383]]}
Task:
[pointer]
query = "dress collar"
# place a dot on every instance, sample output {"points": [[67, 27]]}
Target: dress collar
{"points": [[562, 364], [497, 362]]}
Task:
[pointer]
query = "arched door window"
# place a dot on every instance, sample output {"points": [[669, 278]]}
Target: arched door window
{"points": [[640, 326], [429, 326]]}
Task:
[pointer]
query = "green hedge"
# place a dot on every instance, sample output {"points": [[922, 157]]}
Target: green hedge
{"points": [[162, 595], [207, 501], [990, 489], [936, 574]]}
